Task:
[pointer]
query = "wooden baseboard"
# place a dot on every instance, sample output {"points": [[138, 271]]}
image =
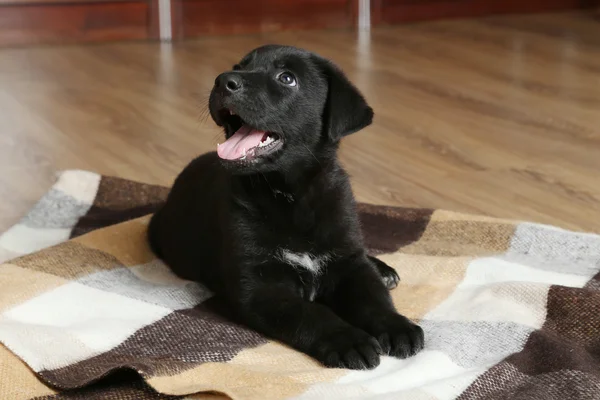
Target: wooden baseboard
{"points": [[205, 17], [395, 11], [85, 21]]}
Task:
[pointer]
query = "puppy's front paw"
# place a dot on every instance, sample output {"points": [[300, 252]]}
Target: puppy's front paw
{"points": [[397, 335], [349, 348]]}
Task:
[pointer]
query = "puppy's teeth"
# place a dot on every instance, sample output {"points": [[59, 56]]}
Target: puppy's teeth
{"points": [[267, 142], [244, 152]]}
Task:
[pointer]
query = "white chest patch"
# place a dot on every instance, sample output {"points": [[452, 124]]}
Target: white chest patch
{"points": [[310, 262]]}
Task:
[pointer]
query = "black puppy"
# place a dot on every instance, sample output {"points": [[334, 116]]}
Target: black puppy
{"points": [[269, 222]]}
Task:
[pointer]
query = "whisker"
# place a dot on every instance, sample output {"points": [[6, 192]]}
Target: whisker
{"points": [[311, 153], [217, 138], [203, 116], [203, 101]]}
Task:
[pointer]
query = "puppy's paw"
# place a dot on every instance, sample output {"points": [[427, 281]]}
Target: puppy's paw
{"points": [[397, 335], [349, 348]]}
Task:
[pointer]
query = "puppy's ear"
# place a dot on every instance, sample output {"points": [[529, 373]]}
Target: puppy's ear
{"points": [[346, 110]]}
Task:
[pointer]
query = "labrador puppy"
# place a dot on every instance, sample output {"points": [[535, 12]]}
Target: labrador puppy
{"points": [[269, 222]]}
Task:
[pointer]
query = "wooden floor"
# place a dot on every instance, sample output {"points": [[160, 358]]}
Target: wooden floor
{"points": [[499, 116]]}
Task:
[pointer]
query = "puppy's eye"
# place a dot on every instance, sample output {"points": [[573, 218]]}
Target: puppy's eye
{"points": [[287, 78]]}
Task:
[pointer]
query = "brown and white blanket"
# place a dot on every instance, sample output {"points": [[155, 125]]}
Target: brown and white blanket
{"points": [[510, 310]]}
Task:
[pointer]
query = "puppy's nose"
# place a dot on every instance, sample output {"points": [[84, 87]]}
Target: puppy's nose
{"points": [[229, 81]]}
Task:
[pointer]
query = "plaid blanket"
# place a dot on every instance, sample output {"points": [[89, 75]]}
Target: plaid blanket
{"points": [[510, 310]]}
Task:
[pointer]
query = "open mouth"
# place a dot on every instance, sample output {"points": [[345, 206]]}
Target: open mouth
{"points": [[247, 143]]}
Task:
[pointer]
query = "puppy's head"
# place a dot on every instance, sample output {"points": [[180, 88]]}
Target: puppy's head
{"points": [[281, 107]]}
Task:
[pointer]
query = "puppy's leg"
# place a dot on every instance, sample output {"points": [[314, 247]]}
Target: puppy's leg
{"points": [[361, 298], [388, 274], [273, 305]]}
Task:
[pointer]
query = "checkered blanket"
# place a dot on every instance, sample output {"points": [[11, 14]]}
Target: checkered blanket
{"points": [[510, 310]]}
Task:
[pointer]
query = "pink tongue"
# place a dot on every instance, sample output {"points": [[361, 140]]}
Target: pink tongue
{"points": [[244, 138]]}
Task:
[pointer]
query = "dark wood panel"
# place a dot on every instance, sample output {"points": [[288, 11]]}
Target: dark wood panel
{"points": [[199, 17], [51, 23], [153, 20], [32, 2], [393, 11]]}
